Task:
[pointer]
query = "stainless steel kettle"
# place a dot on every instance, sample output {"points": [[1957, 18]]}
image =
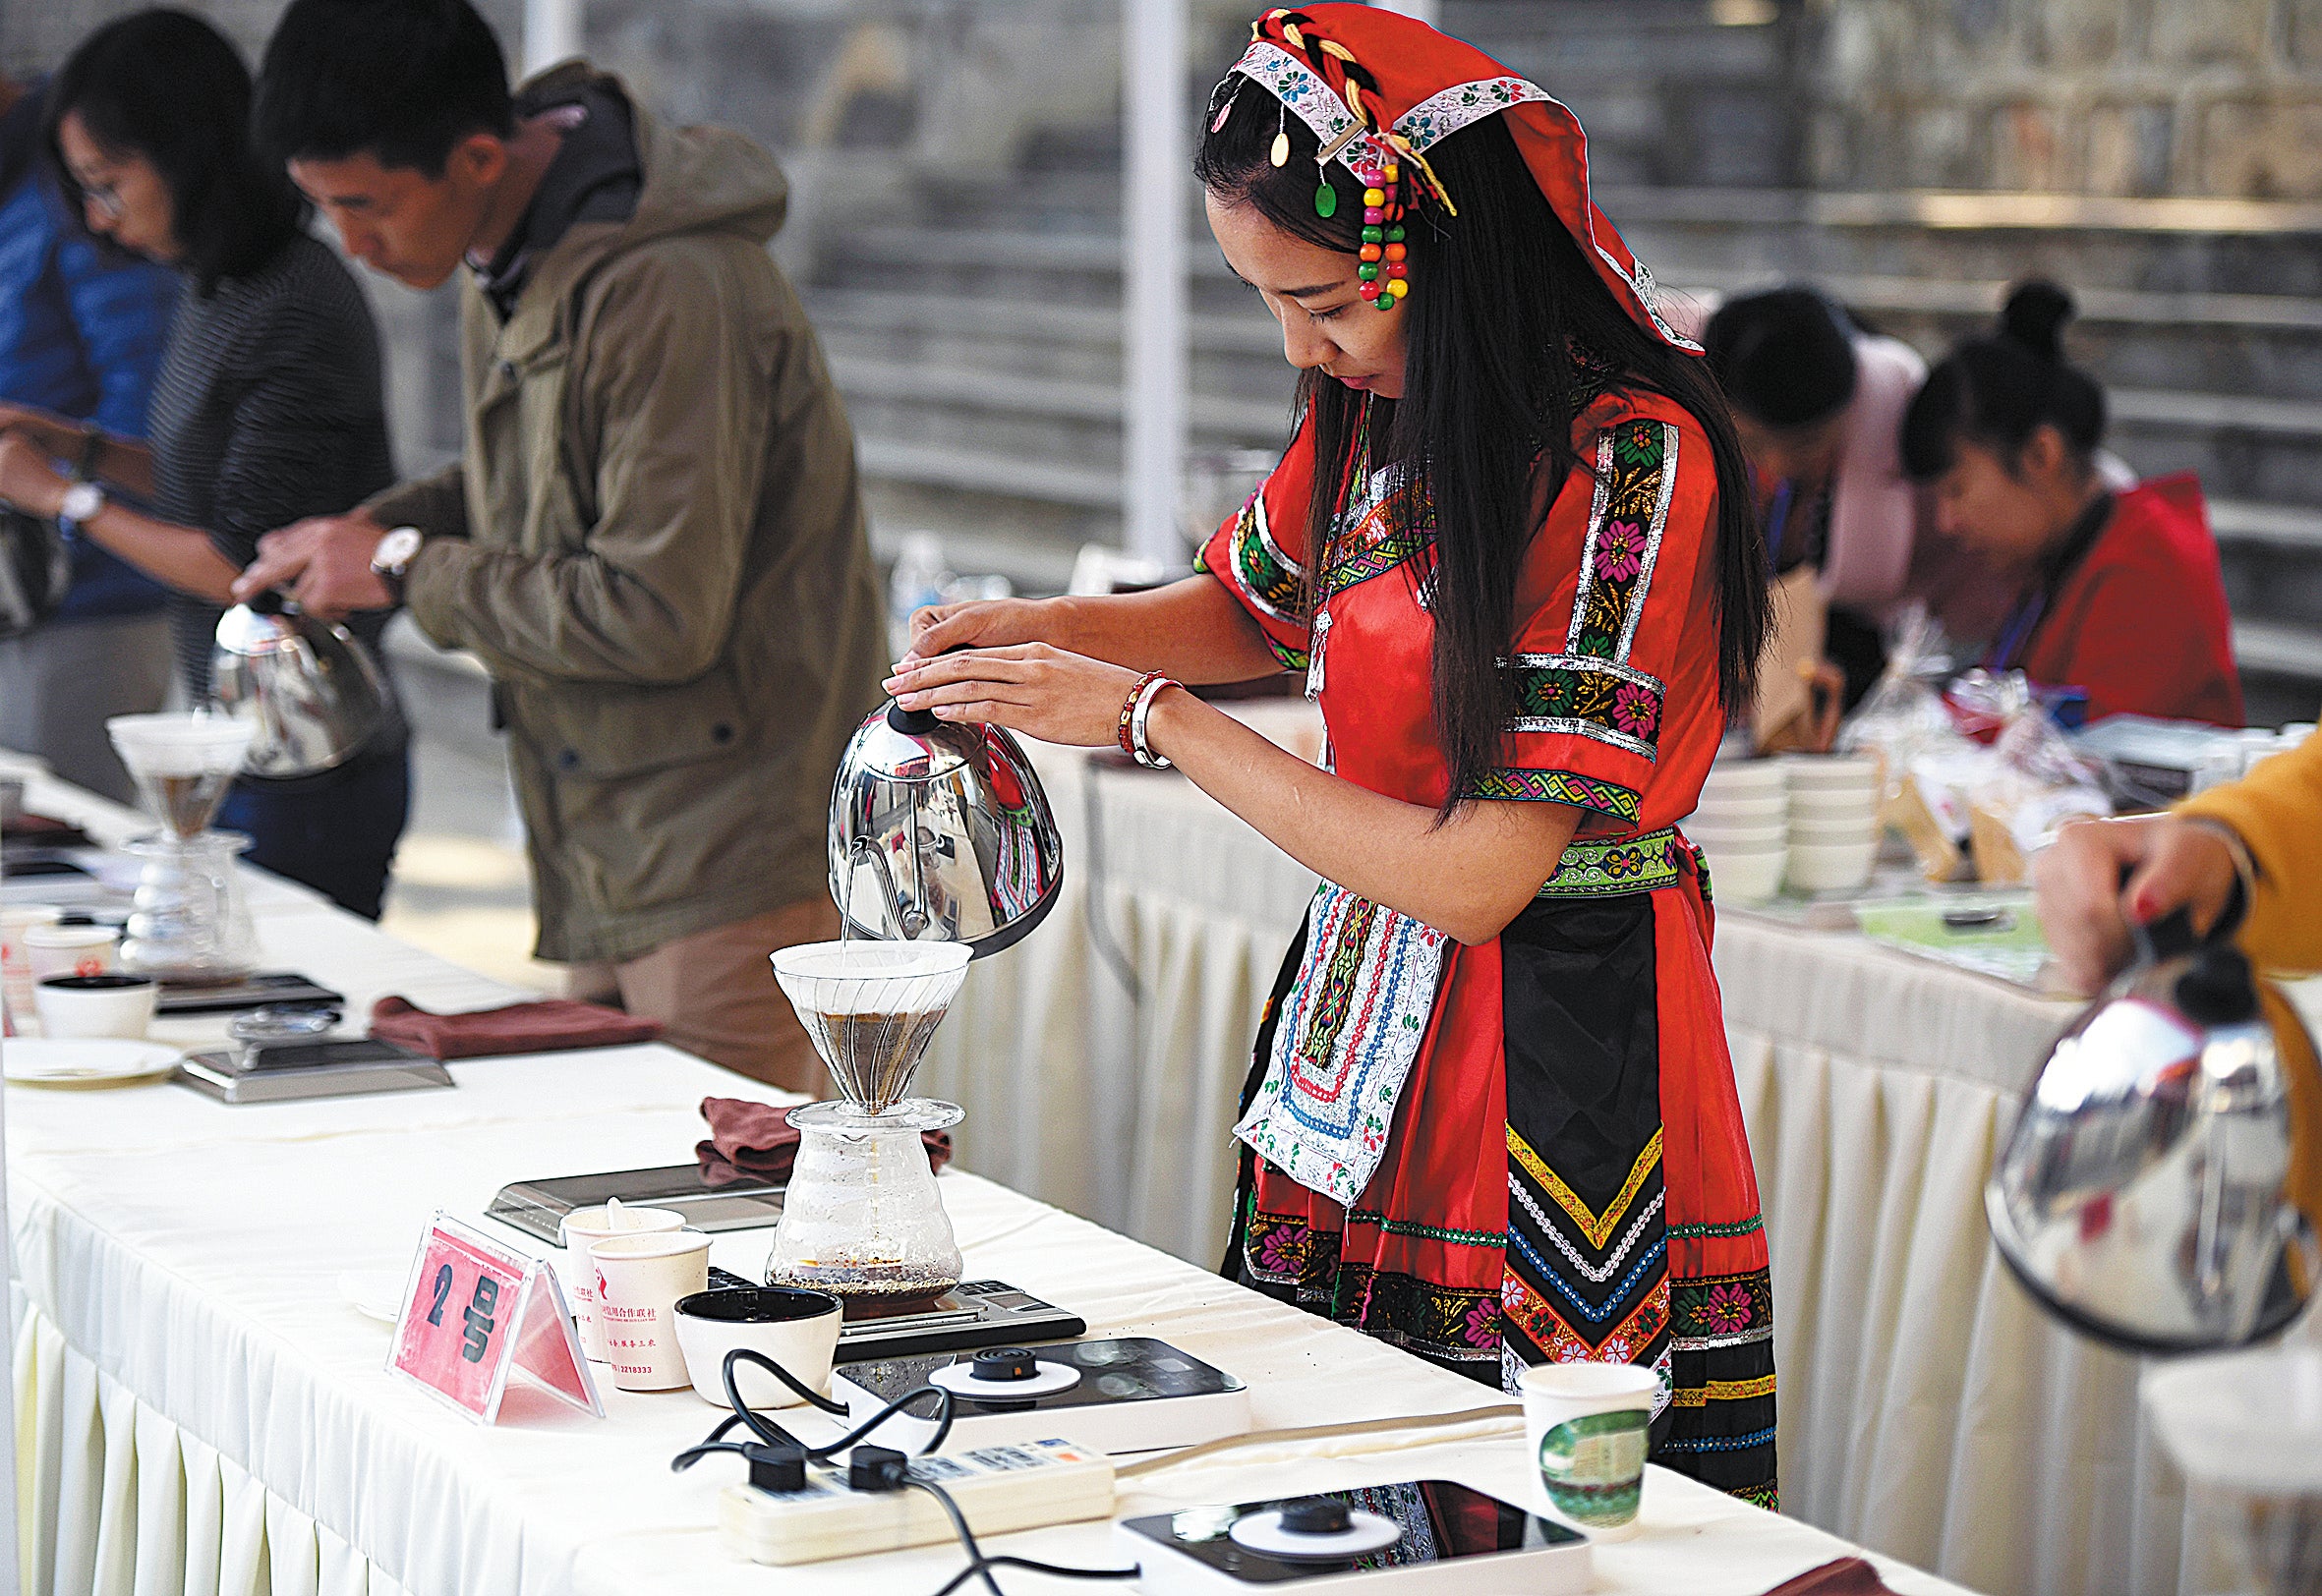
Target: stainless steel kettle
{"points": [[312, 688], [941, 832], [2140, 1197]]}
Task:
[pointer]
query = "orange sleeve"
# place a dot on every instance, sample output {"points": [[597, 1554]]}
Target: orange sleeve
{"points": [[1259, 552], [1606, 629], [2277, 812]]}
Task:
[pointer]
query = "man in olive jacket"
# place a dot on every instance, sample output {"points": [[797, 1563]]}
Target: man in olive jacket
{"points": [[654, 540]]}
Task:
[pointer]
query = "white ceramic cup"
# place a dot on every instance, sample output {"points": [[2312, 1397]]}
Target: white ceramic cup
{"points": [[639, 1279], [1720, 838], [16, 975], [1585, 1430], [53, 950], [582, 1228], [96, 1006], [1745, 778], [1745, 875], [1829, 772], [1839, 866], [1724, 810], [796, 1327]]}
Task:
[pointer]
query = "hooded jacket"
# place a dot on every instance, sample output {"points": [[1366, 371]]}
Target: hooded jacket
{"points": [[655, 542]]}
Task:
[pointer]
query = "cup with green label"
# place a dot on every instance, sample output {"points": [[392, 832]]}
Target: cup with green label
{"points": [[1584, 1427]]}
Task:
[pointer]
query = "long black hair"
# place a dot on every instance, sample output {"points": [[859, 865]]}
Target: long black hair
{"points": [[1998, 389], [1506, 323], [166, 86]]}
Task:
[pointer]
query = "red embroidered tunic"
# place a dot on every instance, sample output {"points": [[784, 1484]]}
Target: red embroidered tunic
{"points": [[1566, 1173]]}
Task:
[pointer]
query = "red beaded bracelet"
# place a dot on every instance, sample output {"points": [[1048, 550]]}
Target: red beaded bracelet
{"points": [[1129, 709]]}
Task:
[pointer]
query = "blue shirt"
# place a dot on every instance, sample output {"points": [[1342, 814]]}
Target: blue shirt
{"points": [[82, 330]]}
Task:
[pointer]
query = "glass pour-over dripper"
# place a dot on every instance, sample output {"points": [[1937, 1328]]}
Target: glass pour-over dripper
{"points": [[189, 921], [862, 1217]]}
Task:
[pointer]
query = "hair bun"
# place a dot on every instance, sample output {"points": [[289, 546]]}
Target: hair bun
{"points": [[2035, 315]]}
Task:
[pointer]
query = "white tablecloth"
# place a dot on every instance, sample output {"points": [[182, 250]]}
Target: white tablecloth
{"points": [[1925, 1407], [201, 1412]]}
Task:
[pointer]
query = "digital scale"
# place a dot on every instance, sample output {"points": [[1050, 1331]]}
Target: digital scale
{"points": [[1116, 1394], [538, 1207]]}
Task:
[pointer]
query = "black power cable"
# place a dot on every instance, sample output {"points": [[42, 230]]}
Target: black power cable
{"points": [[773, 1436]]}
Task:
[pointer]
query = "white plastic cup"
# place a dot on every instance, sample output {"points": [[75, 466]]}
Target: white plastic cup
{"points": [[96, 1006], [16, 975], [52, 950], [584, 1227], [639, 1279], [1586, 1429]]}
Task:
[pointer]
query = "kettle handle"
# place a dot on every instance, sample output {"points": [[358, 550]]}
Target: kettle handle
{"points": [[2172, 935], [268, 602]]}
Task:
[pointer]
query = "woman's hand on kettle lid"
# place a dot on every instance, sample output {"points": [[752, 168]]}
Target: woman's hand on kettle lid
{"points": [[2085, 912], [981, 623], [1034, 688]]}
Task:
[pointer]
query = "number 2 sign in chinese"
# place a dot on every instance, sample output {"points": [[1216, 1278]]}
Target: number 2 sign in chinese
{"points": [[475, 1311]]}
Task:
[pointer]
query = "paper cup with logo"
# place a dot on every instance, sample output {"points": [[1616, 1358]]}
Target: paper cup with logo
{"points": [[1585, 1428], [639, 1279], [584, 1227], [54, 950], [16, 975]]}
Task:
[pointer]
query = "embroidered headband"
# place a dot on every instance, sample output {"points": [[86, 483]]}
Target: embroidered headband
{"points": [[1345, 69]]}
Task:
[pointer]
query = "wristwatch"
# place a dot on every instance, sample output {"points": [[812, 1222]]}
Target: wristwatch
{"points": [[392, 558], [83, 501]]}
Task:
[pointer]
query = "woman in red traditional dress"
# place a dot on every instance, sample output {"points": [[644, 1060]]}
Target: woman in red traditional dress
{"points": [[1511, 549], [2115, 594]]}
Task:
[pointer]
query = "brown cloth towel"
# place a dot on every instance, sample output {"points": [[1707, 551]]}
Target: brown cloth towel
{"points": [[754, 1141], [1847, 1576], [551, 1025]]}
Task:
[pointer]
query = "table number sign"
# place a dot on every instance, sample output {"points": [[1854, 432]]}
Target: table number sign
{"points": [[473, 1312]]}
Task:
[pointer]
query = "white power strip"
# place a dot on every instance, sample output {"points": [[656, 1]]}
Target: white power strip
{"points": [[998, 1489]]}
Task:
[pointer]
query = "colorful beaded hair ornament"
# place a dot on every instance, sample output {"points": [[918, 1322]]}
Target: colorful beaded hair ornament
{"points": [[1348, 130], [1378, 90]]}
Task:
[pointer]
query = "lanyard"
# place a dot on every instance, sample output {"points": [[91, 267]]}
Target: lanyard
{"points": [[1777, 521]]}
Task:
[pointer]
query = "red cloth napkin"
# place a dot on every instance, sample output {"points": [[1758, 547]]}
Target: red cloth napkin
{"points": [[754, 1141], [1847, 1576], [551, 1025]]}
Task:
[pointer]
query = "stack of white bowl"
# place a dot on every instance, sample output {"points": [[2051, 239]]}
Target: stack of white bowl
{"points": [[1833, 815], [1743, 825]]}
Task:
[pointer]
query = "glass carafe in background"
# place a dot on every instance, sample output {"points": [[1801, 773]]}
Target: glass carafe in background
{"points": [[190, 922]]}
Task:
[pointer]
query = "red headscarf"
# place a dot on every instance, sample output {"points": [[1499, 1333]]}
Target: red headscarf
{"points": [[1431, 84]]}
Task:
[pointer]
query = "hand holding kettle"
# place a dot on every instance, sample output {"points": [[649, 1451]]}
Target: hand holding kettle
{"points": [[2144, 1195]]}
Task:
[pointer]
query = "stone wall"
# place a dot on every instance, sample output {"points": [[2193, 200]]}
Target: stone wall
{"points": [[2208, 97]]}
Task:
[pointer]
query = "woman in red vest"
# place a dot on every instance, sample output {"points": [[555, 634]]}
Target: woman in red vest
{"points": [[2118, 593]]}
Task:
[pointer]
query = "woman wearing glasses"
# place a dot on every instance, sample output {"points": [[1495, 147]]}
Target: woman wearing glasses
{"points": [[268, 408]]}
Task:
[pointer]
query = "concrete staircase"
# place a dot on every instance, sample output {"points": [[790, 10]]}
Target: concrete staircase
{"points": [[977, 336]]}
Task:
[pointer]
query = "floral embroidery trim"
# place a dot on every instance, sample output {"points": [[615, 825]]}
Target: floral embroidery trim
{"points": [[1392, 520], [1722, 1310], [1558, 788], [1443, 114], [1588, 697], [1651, 862], [1547, 1329], [1272, 578], [1636, 477]]}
